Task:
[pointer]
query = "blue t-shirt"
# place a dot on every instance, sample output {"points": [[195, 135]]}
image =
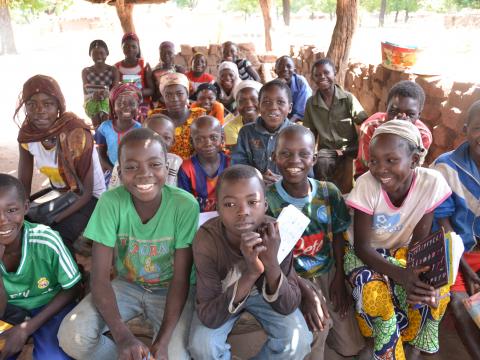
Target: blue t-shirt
{"points": [[106, 135]]}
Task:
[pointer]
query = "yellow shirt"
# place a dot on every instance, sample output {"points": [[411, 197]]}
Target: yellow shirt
{"points": [[231, 130]]}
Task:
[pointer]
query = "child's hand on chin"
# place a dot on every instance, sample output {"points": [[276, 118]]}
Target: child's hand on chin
{"points": [[251, 246], [271, 240], [418, 292]]}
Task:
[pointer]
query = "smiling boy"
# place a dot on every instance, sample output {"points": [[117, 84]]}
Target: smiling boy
{"points": [[147, 228]]}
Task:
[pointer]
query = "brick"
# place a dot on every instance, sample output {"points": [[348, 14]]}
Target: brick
{"points": [[267, 58], [349, 80], [461, 86], [201, 49], [186, 50], [180, 60], [377, 89], [215, 49], [431, 112], [213, 60], [434, 86], [368, 101], [452, 117], [434, 152], [247, 47], [469, 97], [443, 136]]}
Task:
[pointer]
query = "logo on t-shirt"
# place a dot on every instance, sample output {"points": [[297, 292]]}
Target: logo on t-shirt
{"points": [[322, 215], [383, 223], [42, 283]]}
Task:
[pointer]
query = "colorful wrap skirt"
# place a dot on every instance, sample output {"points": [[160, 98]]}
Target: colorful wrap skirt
{"points": [[383, 313]]}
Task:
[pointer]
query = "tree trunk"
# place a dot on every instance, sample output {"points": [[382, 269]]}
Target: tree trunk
{"points": [[396, 16], [338, 52], [407, 15], [266, 6], [381, 16], [286, 12], [6, 30], [124, 12]]}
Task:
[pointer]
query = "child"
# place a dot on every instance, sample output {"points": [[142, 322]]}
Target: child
{"points": [[98, 80], [199, 174], [460, 213], [246, 97], [124, 100], [165, 127], [39, 277], [166, 65], [133, 69], [332, 113], [149, 227], [256, 141], [227, 80], [404, 102], [245, 68], [393, 205], [237, 270], [301, 91], [206, 98], [321, 273], [197, 75]]}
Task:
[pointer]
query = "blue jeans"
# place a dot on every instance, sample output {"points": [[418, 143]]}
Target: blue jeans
{"points": [[288, 335], [81, 334]]}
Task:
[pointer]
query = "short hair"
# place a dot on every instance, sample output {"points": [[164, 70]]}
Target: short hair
{"points": [[207, 86], [282, 85], [408, 89], [283, 57], [97, 43], [206, 120], [9, 181], [158, 117], [141, 134], [239, 172], [473, 110], [295, 130], [228, 43], [324, 61]]}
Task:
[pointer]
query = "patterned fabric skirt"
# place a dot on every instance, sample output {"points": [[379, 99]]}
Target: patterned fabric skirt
{"points": [[383, 312]]}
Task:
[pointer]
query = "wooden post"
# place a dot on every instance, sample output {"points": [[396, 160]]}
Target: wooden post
{"points": [[124, 12], [339, 50], [266, 6]]}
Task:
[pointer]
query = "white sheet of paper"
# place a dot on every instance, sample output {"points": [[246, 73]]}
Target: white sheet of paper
{"points": [[457, 251], [291, 225], [205, 216]]}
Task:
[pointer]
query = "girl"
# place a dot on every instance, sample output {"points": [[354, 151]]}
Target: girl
{"points": [[245, 68], [227, 80], [197, 75], [331, 114], [63, 149], [174, 89], [98, 80], [124, 101], [393, 205], [134, 70], [207, 99]]}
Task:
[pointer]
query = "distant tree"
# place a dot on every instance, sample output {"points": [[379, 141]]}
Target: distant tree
{"points": [[408, 6], [190, 4], [381, 15], [267, 6], [473, 4], [247, 7]]}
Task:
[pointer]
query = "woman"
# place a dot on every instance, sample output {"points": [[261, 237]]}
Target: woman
{"points": [[174, 90], [227, 79], [62, 147]]}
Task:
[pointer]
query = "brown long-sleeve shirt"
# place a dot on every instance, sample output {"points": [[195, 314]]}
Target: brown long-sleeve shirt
{"points": [[219, 266]]}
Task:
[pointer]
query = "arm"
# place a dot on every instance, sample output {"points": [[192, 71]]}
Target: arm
{"points": [[358, 114], [16, 337], [148, 90], [253, 73], [25, 169], [308, 120], [176, 299], [104, 300], [84, 78], [338, 291], [116, 76], [103, 157], [313, 307]]}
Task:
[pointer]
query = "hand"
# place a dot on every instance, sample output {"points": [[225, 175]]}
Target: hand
{"points": [[132, 349], [251, 246], [472, 281], [314, 310], [14, 339], [270, 177], [159, 351], [418, 292], [338, 295], [99, 95], [271, 240]]}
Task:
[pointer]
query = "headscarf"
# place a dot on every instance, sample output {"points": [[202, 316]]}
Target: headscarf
{"points": [[167, 44], [134, 37], [244, 85], [73, 135], [233, 67], [173, 79], [119, 89], [407, 131]]}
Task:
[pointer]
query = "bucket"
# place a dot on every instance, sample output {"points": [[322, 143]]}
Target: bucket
{"points": [[397, 57]]}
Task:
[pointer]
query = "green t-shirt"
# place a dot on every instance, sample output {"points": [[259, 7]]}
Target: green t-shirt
{"points": [[313, 251], [144, 253], [45, 268]]}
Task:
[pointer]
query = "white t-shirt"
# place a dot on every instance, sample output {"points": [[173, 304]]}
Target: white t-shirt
{"points": [[393, 226], [46, 162]]}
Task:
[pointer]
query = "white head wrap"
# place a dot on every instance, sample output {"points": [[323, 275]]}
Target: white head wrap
{"points": [[244, 85], [233, 67]]}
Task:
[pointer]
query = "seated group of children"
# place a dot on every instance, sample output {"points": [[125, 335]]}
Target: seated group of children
{"points": [[345, 279]]}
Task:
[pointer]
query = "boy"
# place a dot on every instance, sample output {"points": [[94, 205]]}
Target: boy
{"points": [[301, 91], [321, 273], [236, 262], [459, 213], [404, 102], [151, 226], [39, 277], [164, 126], [256, 140], [199, 174], [245, 68]]}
